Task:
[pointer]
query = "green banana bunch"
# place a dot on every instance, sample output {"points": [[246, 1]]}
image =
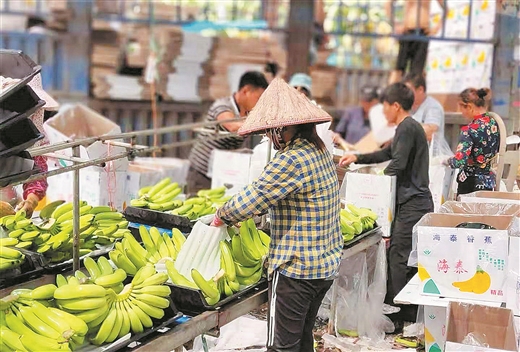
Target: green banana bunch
{"points": [[355, 221], [28, 324], [159, 197], [99, 225], [10, 258], [130, 255], [133, 308]]}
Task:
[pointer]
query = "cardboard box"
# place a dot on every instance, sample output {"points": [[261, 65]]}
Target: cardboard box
{"points": [[449, 257], [376, 192], [494, 324], [96, 186], [78, 121], [434, 328], [435, 312], [513, 276], [491, 197], [230, 169]]}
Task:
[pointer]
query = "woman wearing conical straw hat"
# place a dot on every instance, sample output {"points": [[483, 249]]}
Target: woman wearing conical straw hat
{"points": [[300, 189]]}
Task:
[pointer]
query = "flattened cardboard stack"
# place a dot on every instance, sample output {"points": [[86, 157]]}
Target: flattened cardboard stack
{"points": [[230, 51], [190, 67], [184, 80], [105, 58]]}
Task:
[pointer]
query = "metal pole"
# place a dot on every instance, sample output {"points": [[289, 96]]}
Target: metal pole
{"points": [[75, 212]]}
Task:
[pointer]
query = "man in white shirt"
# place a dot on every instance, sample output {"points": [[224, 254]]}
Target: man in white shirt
{"points": [[425, 110]]}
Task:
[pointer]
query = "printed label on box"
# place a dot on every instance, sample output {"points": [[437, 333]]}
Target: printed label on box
{"points": [[463, 263]]}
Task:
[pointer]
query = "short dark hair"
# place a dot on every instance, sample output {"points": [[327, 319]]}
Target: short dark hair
{"points": [[253, 78], [399, 93], [369, 93], [416, 79]]}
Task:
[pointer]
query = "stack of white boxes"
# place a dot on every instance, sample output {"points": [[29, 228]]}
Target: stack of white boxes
{"points": [[473, 266]]}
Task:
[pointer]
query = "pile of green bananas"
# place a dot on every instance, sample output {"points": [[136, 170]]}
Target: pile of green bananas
{"points": [[110, 315], [10, 258], [355, 221], [52, 235], [130, 255], [28, 322], [162, 197], [241, 264]]}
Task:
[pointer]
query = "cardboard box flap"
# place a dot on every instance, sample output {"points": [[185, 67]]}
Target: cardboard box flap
{"points": [[496, 195], [452, 207], [496, 324], [78, 121], [499, 222]]}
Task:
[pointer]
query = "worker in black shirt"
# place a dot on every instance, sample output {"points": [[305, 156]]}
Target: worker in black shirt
{"points": [[409, 162]]}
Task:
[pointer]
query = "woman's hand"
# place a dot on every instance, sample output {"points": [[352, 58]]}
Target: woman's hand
{"points": [[28, 204], [216, 222], [348, 159]]}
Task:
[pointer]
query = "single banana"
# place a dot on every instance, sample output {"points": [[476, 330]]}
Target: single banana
{"points": [[104, 266], [15, 234], [79, 291], [60, 280], [154, 312], [155, 290], [94, 314], [10, 253], [116, 328], [11, 339], [92, 268], [121, 261], [143, 274], [245, 271], [172, 252], [75, 323], [36, 324], [115, 278], [8, 242], [145, 319], [208, 288], [135, 323], [155, 279], [106, 328], [227, 260], [238, 253], [125, 326], [100, 209], [53, 320], [44, 292], [81, 304], [156, 301]]}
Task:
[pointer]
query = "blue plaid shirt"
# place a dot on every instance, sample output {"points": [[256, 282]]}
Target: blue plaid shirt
{"points": [[300, 188]]}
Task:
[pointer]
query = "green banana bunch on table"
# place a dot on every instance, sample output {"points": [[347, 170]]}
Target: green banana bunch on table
{"points": [[52, 234], [162, 197], [355, 221]]}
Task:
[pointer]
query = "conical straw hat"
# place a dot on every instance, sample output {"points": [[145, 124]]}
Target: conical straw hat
{"points": [[281, 105]]}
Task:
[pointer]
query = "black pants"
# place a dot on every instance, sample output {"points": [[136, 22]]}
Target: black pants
{"points": [[399, 273], [469, 185], [412, 51], [293, 307]]}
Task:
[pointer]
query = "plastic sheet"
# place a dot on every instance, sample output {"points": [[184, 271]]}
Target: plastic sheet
{"points": [[361, 293], [479, 208]]}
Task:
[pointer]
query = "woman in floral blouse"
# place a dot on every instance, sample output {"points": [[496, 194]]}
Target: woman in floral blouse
{"points": [[478, 143]]}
